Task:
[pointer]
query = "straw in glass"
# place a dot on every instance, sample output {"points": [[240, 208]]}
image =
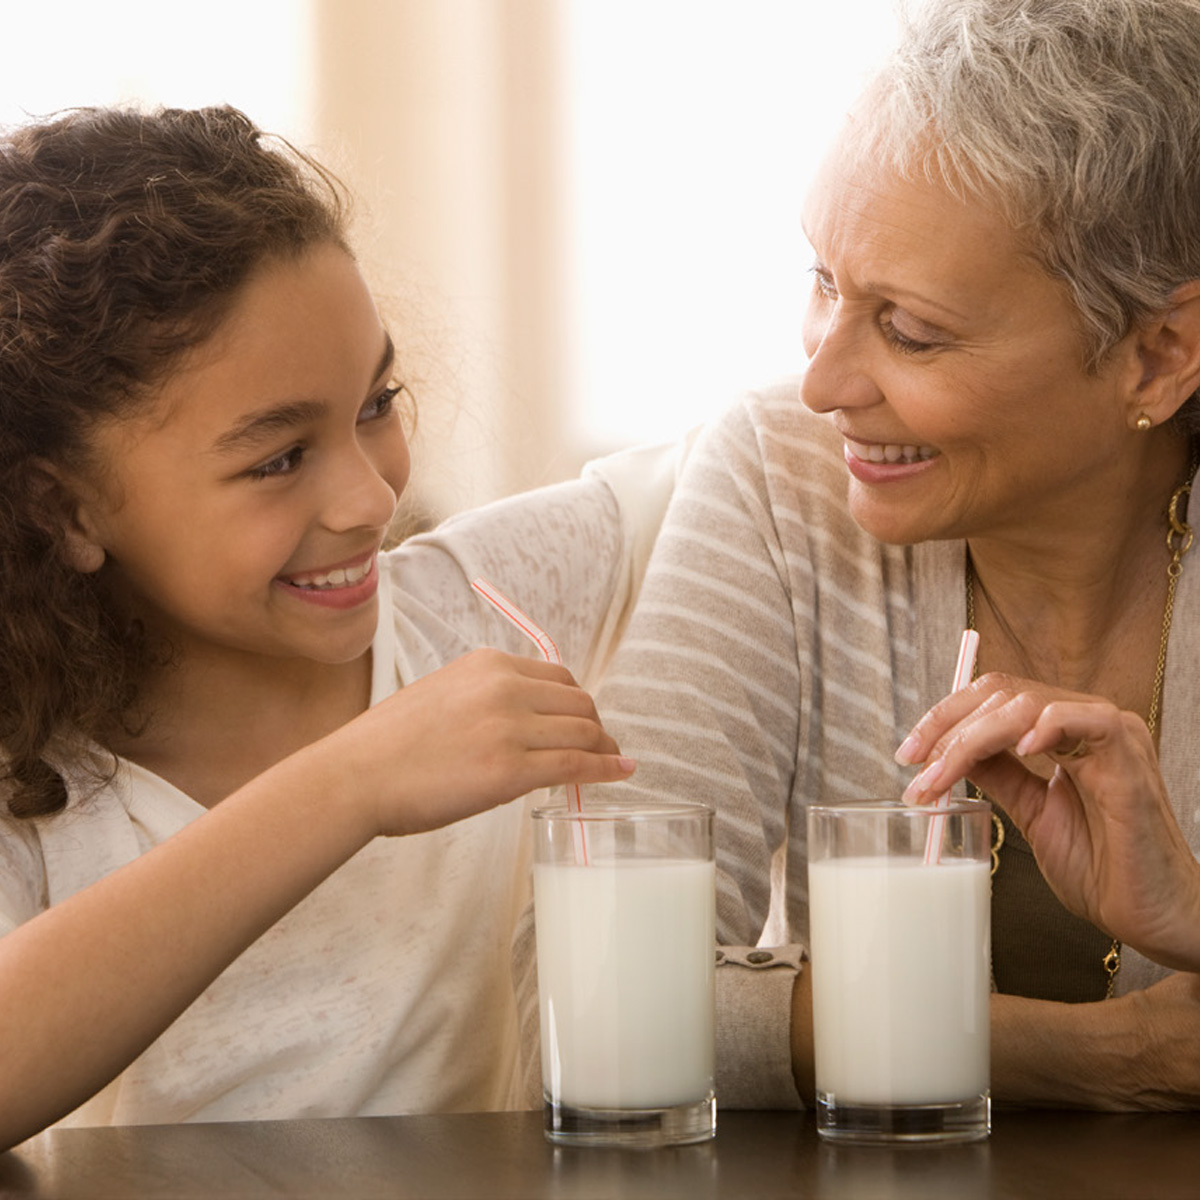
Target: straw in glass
{"points": [[549, 651], [962, 676]]}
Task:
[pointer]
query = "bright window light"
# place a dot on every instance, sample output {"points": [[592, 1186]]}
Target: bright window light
{"points": [[250, 53], [694, 126]]}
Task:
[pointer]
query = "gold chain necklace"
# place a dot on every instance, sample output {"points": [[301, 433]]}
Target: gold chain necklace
{"points": [[1179, 542]]}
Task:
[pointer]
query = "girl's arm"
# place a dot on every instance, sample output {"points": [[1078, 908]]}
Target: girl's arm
{"points": [[88, 984]]}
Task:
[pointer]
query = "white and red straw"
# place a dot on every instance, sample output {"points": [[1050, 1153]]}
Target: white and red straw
{"points": [[965, 668], [549, 651]]}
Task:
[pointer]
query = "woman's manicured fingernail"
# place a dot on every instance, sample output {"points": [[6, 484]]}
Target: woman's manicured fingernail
{"points": [[1022, 747], [626, 764], [924, 783], [906, 753]]}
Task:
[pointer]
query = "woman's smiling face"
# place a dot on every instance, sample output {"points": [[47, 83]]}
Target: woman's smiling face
{"points": [[243, 511], [950, 361]]}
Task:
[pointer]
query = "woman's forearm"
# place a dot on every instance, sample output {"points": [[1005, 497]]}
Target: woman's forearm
{"points": [[1047, 1054], [1139, 1052]]}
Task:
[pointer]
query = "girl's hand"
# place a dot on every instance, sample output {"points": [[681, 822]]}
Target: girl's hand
{"points": [[481, 731], [1101, 825]]}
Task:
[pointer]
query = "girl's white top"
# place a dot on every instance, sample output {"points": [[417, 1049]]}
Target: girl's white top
{"points": [[388, 989]]}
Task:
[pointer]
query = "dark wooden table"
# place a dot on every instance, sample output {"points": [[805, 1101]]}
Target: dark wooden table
{"points": [[756, 1156]]}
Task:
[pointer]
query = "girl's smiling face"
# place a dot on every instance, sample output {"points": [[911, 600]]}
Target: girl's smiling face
{"points": [[242, 512], [951, 362]]}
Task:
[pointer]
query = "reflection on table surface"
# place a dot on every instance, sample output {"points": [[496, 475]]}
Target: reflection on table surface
{"points": [[502, 1155]]}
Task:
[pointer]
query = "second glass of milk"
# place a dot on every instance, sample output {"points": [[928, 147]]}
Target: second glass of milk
{"points": [[624, 906], [899, 911]]}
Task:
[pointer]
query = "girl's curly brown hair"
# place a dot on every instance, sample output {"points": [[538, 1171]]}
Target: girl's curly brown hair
{"points": [[125, 237]]}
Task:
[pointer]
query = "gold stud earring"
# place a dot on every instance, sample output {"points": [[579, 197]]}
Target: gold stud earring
{"points": [[1144, 423]]}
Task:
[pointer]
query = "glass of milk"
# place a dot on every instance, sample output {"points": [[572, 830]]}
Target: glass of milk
{"points": [[624, 905], [899, 915]]}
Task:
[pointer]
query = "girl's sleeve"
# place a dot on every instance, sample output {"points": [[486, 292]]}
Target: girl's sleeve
{"points": [[641, 481], [22, 874], [571, 556]]}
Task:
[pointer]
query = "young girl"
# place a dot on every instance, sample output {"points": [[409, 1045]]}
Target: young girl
{"points": [[218, 689]]}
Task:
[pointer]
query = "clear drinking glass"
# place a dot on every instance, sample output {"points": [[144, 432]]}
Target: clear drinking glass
{"points": [[624, 904], [900, 905]]}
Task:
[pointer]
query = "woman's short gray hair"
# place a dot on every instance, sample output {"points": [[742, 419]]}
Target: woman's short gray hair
{"points": [[1079, 118]]}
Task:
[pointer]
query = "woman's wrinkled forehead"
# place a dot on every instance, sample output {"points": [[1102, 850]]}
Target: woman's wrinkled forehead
{"points": [[854, 177], [879, 236], [868, 157]]}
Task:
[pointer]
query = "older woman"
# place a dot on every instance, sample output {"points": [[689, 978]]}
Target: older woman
{"points": [[994, 429]]}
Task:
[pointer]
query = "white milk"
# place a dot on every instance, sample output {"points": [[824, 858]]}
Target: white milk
{"points": [[625, 981], [900, 956]]}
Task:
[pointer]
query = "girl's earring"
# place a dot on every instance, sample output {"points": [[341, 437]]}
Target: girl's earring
{"points": [[1144, 423]]}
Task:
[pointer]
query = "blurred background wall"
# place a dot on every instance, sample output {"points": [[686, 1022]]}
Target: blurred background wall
{"points": [[581, 216]]}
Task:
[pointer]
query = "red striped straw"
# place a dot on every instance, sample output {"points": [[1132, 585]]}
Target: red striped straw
{"points": [[962, 676], [549, 651]]}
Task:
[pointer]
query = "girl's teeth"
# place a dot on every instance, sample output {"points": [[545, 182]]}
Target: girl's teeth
{"points": [[340, 577]]}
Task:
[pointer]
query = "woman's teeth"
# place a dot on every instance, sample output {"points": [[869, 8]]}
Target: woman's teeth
{"points": [[890, 452], [341, 577]]}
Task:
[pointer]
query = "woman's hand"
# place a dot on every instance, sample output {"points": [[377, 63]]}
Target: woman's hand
{"points": [[483, 730], [1101, 825]]}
